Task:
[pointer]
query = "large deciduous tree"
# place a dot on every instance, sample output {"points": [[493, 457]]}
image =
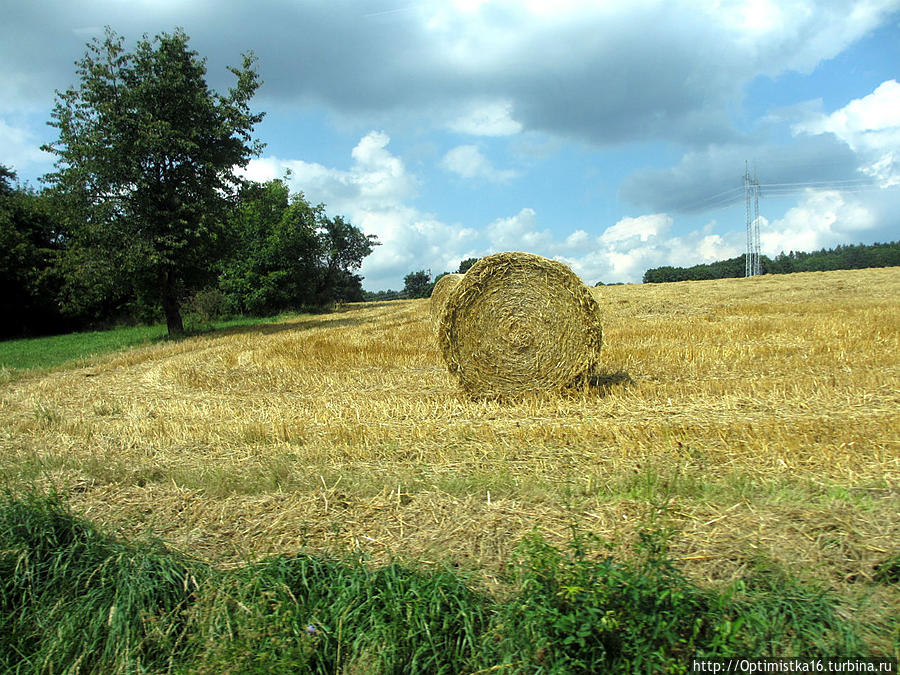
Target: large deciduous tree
{"points": [[147, 155]]}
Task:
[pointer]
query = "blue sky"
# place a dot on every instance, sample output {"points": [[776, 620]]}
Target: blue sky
{"points": [[610, 135]]}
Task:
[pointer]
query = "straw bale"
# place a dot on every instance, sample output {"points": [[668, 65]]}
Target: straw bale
{"points": [[517, 323], [441, 292]]}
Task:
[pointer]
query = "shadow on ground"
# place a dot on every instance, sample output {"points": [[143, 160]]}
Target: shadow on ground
{"points": [[297, 324], [604, 383]]}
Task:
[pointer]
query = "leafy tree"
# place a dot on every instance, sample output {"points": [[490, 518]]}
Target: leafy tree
{"points": [[246, 269], [417, 284], [7, 178], [30, 242], [343, 249], [146, 163], [273, 266], [287, 254], [466, 264]]}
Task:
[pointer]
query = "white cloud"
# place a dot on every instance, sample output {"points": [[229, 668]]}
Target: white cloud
{"points": [[467, 161], [642, 227], [633, 245], [491, 118], [871, 127], [374, 194], [518, 233], [376, 190], [822, 219], [375, 181], [623, 252], [20, 149]]}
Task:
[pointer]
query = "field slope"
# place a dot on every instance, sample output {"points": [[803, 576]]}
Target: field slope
{"points": [[758, 418]]}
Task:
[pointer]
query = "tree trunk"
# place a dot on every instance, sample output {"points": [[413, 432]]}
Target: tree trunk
{"points": [[170, 302]]}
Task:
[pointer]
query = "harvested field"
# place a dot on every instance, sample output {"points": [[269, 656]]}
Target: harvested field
{"points": [[758, 417]]}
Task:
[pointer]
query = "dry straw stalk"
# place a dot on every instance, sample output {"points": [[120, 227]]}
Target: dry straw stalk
{"points": [[518, 323]]}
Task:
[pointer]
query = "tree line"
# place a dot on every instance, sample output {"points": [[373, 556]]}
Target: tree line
{"points": [[843, 257], [146, 214], [417, 284]]}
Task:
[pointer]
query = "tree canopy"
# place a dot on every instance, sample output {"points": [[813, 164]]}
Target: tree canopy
{"points": [[147, 159], [146, 213], [30, 242], [285, 253], [417, 284], [464, 265]]}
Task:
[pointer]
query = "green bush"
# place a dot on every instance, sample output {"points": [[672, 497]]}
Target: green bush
{"points": [[207, 306]]}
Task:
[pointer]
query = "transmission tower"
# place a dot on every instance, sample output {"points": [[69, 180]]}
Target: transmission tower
{"points": [[751, 198]]}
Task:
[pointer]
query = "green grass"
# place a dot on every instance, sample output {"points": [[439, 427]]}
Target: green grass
{"points": [[56, 350], [76, 599]]}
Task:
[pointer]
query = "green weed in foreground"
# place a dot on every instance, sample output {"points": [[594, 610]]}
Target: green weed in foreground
{"points": [[73, 599]]}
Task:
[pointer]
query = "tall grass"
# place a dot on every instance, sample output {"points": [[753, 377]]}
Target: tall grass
{"points": [[76, 599]]}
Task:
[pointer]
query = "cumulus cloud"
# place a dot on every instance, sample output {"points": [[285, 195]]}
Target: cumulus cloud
{"points": [[622, 252], [598, 72], [518, 232], [643, 227], [822, 219], [467, 161], [376, 179], [374, 193], [377, 189], [871, 127]]}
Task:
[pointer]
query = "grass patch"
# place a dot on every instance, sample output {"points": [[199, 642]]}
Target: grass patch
{"points": [[57, 350], [75, 599]]}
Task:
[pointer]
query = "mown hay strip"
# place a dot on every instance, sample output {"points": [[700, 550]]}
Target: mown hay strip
{"points": [[442, 290], [518, 323]]}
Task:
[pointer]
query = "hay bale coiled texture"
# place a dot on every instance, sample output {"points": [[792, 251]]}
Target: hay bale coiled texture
{"points": [[518, 323], [440, 293]]}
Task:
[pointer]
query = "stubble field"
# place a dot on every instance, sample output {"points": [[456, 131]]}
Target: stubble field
{"points": [[758, 418]]}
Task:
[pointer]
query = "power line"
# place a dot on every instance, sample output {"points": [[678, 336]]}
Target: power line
{"points": [[821, 188], [725, 198], [815, 183], [733, 195]]}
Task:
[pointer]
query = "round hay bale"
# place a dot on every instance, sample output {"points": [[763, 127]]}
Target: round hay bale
{"points": [[517, 323], [441, 292]]}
